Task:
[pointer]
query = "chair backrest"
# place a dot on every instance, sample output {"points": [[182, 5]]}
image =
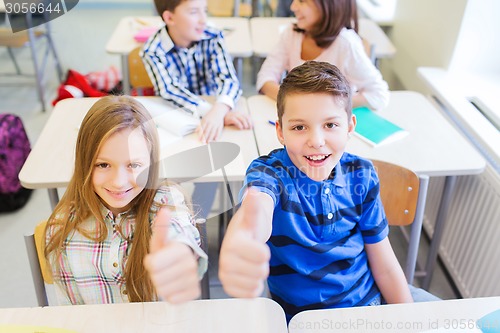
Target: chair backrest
{"points": [[399, 192], [138, 76], [40, 270], [201, 225]]}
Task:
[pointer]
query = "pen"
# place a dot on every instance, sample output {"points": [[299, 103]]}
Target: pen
{"points": [[271, 122]]}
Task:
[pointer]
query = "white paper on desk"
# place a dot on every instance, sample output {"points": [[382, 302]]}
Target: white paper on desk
{"points": [[170, 118]]}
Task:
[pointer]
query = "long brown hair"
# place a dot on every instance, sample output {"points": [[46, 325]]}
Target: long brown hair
{"points": [[336, 15], [106, 117]]}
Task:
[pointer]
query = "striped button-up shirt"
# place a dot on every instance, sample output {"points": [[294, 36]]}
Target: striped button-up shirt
{"points": [[182, 75], [93, 273]]}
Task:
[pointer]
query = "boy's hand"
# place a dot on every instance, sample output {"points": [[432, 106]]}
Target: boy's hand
{"points": [[172, 266], [244, 260], [238, 119], [212, 123]]}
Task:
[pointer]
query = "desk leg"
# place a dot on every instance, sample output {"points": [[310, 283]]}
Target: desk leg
{"points": [[416, 230], [449, 187], [125, 75], [53, 197], [38, 70], [238, 63], [256, 8]]}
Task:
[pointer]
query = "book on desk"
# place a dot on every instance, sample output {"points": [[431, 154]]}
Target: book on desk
{"points": [[172, 123], [375, 129]]}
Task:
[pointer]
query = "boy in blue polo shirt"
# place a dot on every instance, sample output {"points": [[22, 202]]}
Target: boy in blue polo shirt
{"points": [[317, 207]]}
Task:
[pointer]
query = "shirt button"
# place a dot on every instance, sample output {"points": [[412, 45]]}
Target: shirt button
{"points": [[327, 190], [124, 291], [115, 264], [330, 215]]}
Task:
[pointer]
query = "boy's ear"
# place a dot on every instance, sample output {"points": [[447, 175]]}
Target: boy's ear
{"points": [[167, 17], [352, 125], [279, 133]]}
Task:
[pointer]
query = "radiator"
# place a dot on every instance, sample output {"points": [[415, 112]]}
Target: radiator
{"points": [[470, 248]]}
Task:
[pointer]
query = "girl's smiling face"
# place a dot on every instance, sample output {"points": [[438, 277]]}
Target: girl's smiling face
{"points": [[122, 158], [315, 130], [307, 13]]}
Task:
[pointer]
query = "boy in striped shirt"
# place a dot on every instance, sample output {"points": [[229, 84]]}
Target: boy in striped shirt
{"points": [[317, 207], [186, 59]]}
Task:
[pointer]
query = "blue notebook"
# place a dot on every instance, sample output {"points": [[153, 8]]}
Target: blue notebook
{"points": [[374, 129]]}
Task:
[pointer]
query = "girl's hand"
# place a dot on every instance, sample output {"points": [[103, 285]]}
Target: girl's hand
{"points": [[172, 265]]}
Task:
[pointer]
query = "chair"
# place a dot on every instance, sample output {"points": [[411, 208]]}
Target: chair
{"points": [[229, 8], [40, 271], [31, 38], [403, 195], [138, 76], [205, 281]]}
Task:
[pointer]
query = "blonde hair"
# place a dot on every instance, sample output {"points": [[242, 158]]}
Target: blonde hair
{"points": [[109, 115]]}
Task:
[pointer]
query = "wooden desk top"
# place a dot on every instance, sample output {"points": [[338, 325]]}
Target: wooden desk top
{"points": [[265, 35], [260, 315], [448, 316], [50, 163], [433, 147], [237, 34]]}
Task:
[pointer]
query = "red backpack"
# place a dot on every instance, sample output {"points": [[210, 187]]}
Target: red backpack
{"points": [[14, 149]]}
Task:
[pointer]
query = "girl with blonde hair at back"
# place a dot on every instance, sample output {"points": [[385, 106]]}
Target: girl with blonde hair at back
{"points": [[98, 237]]}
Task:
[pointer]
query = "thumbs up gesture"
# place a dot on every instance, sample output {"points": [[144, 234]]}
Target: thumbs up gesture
{"points": [[244, 256], [172, 265]]}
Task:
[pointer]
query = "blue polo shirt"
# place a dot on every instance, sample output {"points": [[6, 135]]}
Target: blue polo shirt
{"points": [[318, 259]]}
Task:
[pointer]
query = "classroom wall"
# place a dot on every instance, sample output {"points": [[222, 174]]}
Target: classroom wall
{"points": [[478, 45], [425, 33]]}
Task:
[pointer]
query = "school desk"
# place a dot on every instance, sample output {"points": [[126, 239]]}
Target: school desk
{"points": [[458, 315], [265, 33], [433, 148], [209, 316], [50, 162], [380, 11], [236, 34]]}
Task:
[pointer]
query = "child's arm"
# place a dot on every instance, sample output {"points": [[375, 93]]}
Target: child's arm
{"points": [[387, 272], [167, 84], [172, 265], [270, 89], [244, 256], [271, 72]]}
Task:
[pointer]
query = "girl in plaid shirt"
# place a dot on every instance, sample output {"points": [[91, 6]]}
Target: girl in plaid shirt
{"points": [[100, 236]]}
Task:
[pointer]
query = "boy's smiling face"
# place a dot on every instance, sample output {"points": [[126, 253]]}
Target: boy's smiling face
{"points": [[187, 22], [315, 129]]}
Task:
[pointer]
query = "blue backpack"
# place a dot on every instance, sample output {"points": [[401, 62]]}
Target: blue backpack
{"points": [[14, 149]]}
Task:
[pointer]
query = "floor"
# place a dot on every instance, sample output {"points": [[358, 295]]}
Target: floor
{"points": [[80, 43]]}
